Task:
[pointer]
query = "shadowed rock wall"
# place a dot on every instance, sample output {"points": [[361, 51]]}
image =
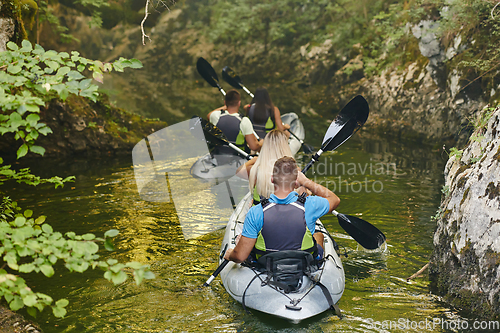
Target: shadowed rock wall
{"points": [[465, 265]]}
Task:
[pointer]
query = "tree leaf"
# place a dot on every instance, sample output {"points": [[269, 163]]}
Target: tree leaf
{"points": [[14, 69], [64, 94], [26, 46], [47, 228], [30, 300], [135, 63], [32, 119], [88, 237], [28, 213], [40, 219], [44, 130], [112, 261], [17, 303], [58, 312], [20, 221], [22, 109], [119, 278], [108, 245], [52, 64], [32, 311], [117, 66], [26, 268], [74, 75], [13, 46], [98, 77], [23, 150], [47, 270], [63, 302], [32, 108], [63, 70], [111, 233], [37, 150]]}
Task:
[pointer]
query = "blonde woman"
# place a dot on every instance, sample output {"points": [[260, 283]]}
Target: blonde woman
{"points": [[260, 169]]}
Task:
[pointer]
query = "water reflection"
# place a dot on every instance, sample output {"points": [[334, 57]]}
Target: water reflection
{"points": [[105, 196]]}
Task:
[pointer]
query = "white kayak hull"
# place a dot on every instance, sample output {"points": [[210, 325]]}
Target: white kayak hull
{"points": [[236, 279], [209, 167]]}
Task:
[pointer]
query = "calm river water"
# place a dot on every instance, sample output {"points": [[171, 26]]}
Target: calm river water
{"points": [[394, 186]]}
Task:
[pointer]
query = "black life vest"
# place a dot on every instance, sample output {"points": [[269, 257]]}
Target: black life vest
{"points": [[230, 126], [262, 128], [284, 228]]}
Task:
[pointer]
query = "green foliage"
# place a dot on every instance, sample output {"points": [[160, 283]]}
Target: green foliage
{"points": [[30, 77], [29, 245], [445, 190], [25, 176], [89, 7], [457, 153], [438, 216], [481, 120], [382, 28]]}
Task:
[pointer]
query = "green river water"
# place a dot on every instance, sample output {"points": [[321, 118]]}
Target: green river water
{"points": [[394, 186]]}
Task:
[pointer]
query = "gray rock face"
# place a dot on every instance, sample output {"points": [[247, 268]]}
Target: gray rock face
{"points": [[430, 47], [411, 104], [6, 31], [466, 259]]}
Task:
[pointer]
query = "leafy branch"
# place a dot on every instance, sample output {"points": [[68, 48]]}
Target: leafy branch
{"points": [[30, 77], [31, 245]]}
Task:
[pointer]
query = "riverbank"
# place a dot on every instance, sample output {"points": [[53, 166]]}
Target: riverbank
{"points": [[82, 127], [11, 322]]}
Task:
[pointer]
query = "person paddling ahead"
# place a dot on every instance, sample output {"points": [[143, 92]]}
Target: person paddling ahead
{"points": [[237, 130], [283, 222], [263, 114]]}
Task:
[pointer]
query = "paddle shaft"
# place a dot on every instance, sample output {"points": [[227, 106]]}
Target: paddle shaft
{"points": [[242, 152], [217, 271]]}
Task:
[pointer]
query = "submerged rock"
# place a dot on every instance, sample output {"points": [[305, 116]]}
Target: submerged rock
{"points": [[465, 266]]}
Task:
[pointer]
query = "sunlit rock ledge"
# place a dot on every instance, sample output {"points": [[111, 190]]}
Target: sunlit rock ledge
{"points": [[465, 265]]}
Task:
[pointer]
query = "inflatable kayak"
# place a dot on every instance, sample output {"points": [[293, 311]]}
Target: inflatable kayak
{"points": [[212, 166], [250, 285]]}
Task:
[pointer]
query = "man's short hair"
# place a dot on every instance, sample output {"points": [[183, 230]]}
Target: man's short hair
{"points": [[285, 172], [232, 98]]}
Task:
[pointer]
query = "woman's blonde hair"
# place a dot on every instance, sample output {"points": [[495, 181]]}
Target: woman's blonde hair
{"points": [[275, 146]]}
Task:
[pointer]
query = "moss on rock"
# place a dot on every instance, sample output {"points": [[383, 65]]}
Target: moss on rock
{"points": [[83, 127]]}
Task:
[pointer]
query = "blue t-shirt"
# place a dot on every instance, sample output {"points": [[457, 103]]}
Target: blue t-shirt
{"points": [[315, 207]]}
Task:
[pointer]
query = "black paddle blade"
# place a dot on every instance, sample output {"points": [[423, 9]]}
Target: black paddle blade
{"points": [[231, 77], [348, 121], [207, 72], [212, 135], [363, 232]]}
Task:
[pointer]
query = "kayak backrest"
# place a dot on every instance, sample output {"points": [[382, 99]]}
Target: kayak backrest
{"points": [[286, 269]]}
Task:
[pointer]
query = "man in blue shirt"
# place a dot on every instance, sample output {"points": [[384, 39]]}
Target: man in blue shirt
{"points": [[289, 225]]}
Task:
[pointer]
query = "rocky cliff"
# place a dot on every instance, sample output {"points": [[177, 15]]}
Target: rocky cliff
{"points": [[465, 265]]}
